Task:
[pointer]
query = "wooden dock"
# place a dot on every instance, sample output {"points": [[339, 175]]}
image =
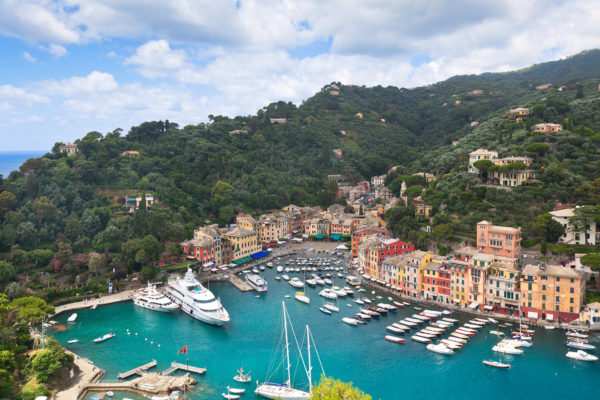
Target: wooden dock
{"points": [[175, 366], [141, 370], [239, 284]]}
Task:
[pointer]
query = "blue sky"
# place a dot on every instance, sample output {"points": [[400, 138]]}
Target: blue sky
{"points": [[73, 66]]}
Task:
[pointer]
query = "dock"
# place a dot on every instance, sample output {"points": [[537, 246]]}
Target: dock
{"points": [[175, 366], [239, 284], [141, 370], [150, 384]]}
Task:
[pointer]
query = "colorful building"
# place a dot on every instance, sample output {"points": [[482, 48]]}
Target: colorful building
{"points": [[502, 288], [571, 235], [459, 280], [498, 240], [517, 114], [478, 267], [244, 242], [413, 284], [360, 233], [547, 128], [480, 154]]}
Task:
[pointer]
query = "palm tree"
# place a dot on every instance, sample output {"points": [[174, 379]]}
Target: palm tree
{"points": [[13, 290]]}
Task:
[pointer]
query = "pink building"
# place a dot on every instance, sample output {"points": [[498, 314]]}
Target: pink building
{"points": [[498, 240], [547, 127]]}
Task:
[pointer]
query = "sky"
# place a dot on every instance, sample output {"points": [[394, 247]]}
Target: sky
{"points": [[74, 66]]}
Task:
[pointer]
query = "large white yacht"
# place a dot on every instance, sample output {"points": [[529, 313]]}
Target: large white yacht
{"points": [[257, 282], [196, 300], [152, 299]]}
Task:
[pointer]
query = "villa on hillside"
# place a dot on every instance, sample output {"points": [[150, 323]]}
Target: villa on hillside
{"points": [[571, 235], [517, 114], [496, 240], [480, 154], [129, 153], [547, 127], [278, 120], [69, 148]]}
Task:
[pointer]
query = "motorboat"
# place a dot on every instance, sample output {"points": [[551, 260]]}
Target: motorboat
{"points": [[359, 301], [459, 335], [549, 327], [277, 278], [401, 326], [387, 306], [506, 349], [332, 307], [328, 281], [340, 292], [301, 297], [408, 323], [350, 321], [296, 282], [73, 341], [311, 282], [450, 320], [420, 339], [262, 268], [196, 300], [229, 396], [577, 334], [72, 317], [104, 337], [152, 299], [364, 317], [457, 339], [497, 333], [328, 294], [580, 345], [492, 320], [581, 355], [398, 304], [325, 311], [243, 377], [353, 280], [285, 277], [518, 342], [279, 269], [366, 300], [394, 339], [235, 390], [93, 307], [393, 329], [425, 335]]}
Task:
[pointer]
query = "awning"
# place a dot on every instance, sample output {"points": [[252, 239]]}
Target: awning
{"points": [[456, 300], [238, 262], [474, 305], [490, 308], [549, 317], [531, 314], [319, 237], [208, 264], [336, 236], [259, 254]]}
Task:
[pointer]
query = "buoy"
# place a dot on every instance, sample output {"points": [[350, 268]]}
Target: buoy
{"points": [[129, 333], [146, 339], [159, 345], [151, 342], [136, 334]]}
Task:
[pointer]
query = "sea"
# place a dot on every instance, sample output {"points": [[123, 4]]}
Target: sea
{"points": [[360, 354], [12, 160]]}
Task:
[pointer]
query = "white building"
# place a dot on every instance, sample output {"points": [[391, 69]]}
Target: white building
{"points": [[480, 154], [571, 236], [377, 181]]}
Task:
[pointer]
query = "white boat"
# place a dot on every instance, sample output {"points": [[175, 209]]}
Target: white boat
{"points": [[242, 377], [229, 396], [366, 300], [110, 393], [340, 292], [518, 342], [73, 341], [311, 282], [577, 334], [325, 311], [257, 282], [492, 320], [359, 301], [94, 307], [286, 391], [270, 264], [580, 345], [285, 277], [152, 299], [387, 306], [196, 300], [262, 268], [72, 317], [581, 355], [420, 339], [497, 333], [393, 329], [296, 282], [459, 335], [457, 339], [473, 326], [235, 390], [328, 294], [496, 364], [332, 307], [353, 280], [393, 339], [506, 349], [408, 323], [328, 281], [301, 297], [549, 327], [277, 278], [450, 320], [104, 337], [280, 269], [350, 321]]}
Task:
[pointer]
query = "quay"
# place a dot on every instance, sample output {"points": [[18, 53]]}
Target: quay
{"points": [[141, 370], [126, 295], [175, 366], [239, 284], [150, 384]]}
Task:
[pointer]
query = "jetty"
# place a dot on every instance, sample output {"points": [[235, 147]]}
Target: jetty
{"points": [[100, 301], [152, 384], [175, 366], [239, 284], [141, 370]]}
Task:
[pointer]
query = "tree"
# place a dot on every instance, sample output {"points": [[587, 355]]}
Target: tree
{"points": [[330, 389], [96, 265], [484, 166], [588, 192], [7, 202], [442, 232], [13, 290], [579, 94], [592, 261], [45, 365], [581, 220], [548, 228], [30, 309], [44, 208], [537, 149], [221, 195], [7, 272]]}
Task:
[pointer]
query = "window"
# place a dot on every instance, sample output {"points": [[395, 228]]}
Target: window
{"points": [[571, 300], [544, 298], [572, 290], [558, 288], [570, 309], [544, 288]]}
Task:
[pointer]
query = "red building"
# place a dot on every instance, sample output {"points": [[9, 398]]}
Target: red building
{"points": [[359, 234]]}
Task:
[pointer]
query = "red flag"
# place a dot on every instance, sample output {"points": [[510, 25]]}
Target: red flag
{"points": [[183, 350]]}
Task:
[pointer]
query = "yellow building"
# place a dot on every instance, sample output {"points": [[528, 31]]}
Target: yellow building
{"points": [[478, 267], [244, 242], [510, 178], [247, 221], [414, 272], [459, 281]]}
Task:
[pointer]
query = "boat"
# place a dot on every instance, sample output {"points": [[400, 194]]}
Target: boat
{"points": [[366, 300], [473, 326], [285, 277], [452, 320], [457, 339], [497, 333], [331, 307], [580, 345], [502, 326], [350, 321], [270, 264], [506, 349], [393, 329], [387, 306], [339, 291], [394, 339], [518, 342], [280, 269], [364, 317], [577, 334], [408, 323], [73, 341], [230, 396], [196, 300], [151, 299], [406, 303], [325, 311], [262, 268], [328, 294], [328, 281], [459, 335], [104, 337], [94, 307], [420, 339], [235, 390], [581, 356], [549, 327], [353, 280], [72, 317], [277, 278], [110, 393], [286, 391], [311, 282], [359, 301], [257, 282], [398, 304], [496, 364], [301, 297], [296, 282], [492, 320]]}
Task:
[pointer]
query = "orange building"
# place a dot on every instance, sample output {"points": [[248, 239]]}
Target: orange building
{"points": [[498, 240]]}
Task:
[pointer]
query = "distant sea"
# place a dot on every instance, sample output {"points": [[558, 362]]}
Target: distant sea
{"points": [[12, 160]]}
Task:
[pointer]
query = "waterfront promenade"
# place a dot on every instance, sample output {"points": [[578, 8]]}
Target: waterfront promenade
{"points": [[88, 373], [108, 299]]}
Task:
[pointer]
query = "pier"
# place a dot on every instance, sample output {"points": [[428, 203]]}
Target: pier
{"points": [[141, 370], [152, 384], [175, 366], [239, 284]]}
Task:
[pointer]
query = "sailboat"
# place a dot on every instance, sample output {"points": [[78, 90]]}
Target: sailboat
{"points": [[499, 363], [285, 391]]}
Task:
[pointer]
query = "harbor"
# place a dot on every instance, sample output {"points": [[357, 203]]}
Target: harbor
{"points": [[352, 353]]}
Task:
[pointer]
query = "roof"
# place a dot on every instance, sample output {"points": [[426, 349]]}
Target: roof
{"points": [[483, 151], [433, 266], [595, 305], [484, 222], [419, 254], [565, 213], [505, 228], [467, 250], [240, 231], [483, 257], [553, 270], [397, 260]]}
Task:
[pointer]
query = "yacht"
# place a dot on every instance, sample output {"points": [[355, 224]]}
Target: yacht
{"points": [[581, 355], [257, 282], [296, 282], [152, 299], [196, 300], [353, 280]]}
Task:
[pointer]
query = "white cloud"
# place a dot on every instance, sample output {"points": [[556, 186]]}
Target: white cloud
{"points": [[55, 49], [29, 57], [95, 82]]}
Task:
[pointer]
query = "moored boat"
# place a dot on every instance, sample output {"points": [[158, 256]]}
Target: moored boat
{"points": [[257, 282], [580, 345], [325, 311], [72, 317], [104, 337], [394, 339], [496, 364], [301, 297], [581, 356]]}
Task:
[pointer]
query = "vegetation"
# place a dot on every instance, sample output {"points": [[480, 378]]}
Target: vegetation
{"points": [[330, 389]]}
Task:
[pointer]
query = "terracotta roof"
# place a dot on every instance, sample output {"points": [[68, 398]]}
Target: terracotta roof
{"points": [[553, 270]]}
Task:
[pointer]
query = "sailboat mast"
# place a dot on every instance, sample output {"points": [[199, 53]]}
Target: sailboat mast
{"points": [[308, 339], [287, 345]]}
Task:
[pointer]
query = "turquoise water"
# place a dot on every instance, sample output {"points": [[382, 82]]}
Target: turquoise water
{"points": [[358, 354], [12, 160]]}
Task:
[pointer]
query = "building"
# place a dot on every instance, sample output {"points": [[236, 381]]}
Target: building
{"points": [[318, 227], [547, 128], [336, 209], [591, 315], [427, 176], [513, 159], [509, 178], [272, 229], [292, 209], [459, 278], [421, 208], [517, 114], [384, 193], [338, 153], [476, 278], [247, 221], [244, 242], [376, 249], [238, 132], [208, 247], [544, 86], [498, 240], [437, 282], [393, 269], [69, 148], [134, 202], [502, 288], [278, 120], [377, 181], [480, 154], [413, 283], [335, 177], [341, 227], [361, 233], [130, 153], [572, 234], [551, 292]]}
